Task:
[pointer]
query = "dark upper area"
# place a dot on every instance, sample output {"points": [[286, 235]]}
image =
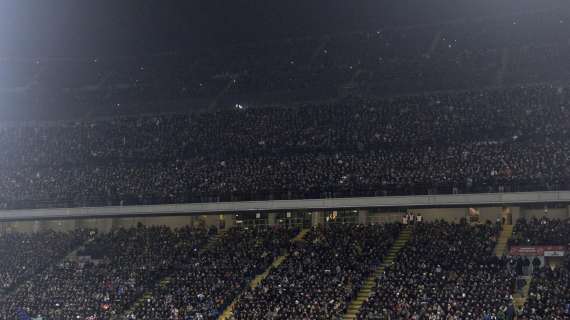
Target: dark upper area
{"points": [[70, 59]]}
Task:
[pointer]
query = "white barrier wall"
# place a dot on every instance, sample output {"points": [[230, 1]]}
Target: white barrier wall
{"points": [[498, 199], [447, 207]]}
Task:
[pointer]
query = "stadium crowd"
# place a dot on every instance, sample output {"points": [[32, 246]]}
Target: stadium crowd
{"points": [[204, 284], [123, 265], [446, 271], [549, 295], [24, 255], [541, 231], [473, 105], [321, 275], [476, 141], [466, 106]]}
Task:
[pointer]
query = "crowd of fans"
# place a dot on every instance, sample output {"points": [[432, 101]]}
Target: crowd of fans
{"points": [[444, 108], [203, 285], [476, 141], [448, 108], [541, 231], [123, 265], [549, 295], [446, 271], [24, 255], [321, 275]]}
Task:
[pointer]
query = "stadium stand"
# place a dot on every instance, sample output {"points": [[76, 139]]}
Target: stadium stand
{"points": [[541, 231], [119, 268], [202, 286], [321, 275], [477, 141], [473, 105], [549, 296], [469, 106], [24, 255], [445, 271]]}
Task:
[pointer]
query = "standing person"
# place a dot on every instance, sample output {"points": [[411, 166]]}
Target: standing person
{"points": [[510, 313], [519, 267], [535, 263], [526, 265]]}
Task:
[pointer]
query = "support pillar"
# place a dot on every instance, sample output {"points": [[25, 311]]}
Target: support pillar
{"points": [[271, 218], [317, 218], [516, 214], [363, 217], [229, 220]]}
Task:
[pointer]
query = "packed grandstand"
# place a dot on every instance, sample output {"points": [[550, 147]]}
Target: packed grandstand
{"points": [[470, 106], [425, 110], [444, 271]]}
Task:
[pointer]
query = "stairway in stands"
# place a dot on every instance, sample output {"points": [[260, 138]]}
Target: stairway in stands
{"points": [[72, 255], [228, 312], [366, 290], [164, 282], [503, 241], [519, 299]]}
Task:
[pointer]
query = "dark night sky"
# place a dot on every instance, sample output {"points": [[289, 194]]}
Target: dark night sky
{"points": [[32, 28]]}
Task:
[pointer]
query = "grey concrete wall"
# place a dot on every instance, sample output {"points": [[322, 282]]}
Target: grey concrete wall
{"points": [[384, 217], [317, 218], [106, 224], [363, 216], [429, 214], [496, 199], [447, 214], [557, 213], [490, 214]]}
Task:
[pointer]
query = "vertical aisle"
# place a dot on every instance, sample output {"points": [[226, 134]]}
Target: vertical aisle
{"points": [[503, 242], [163, 283], [368, 286], [519, 299], [228, 312]]}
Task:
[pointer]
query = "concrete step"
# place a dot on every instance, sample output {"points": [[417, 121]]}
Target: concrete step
{"points": [[301, 235]]}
